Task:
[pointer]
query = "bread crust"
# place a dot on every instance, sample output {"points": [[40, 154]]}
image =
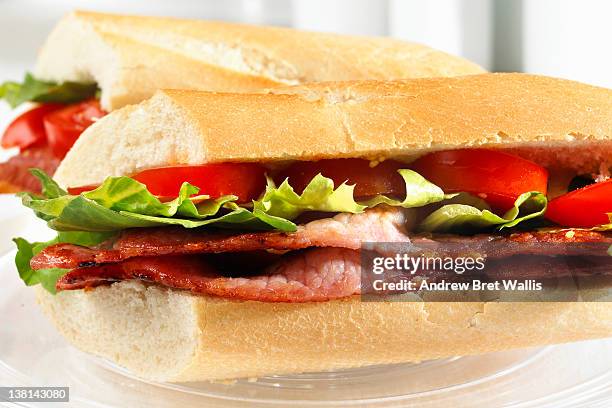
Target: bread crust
{"points": [[373, 119], [207, 55], [220, 339]]}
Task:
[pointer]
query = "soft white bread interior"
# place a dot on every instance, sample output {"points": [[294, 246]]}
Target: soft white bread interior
{"points": [[555, 122], [167, 335], [132, 56]]}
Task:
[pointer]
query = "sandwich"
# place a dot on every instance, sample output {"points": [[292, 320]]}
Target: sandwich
{"points": [[205, 236], [94, 63]]}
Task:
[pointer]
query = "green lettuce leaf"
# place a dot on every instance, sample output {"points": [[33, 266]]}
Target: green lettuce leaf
{"points": [[122, 202], [236, 218], [34, 90], [419, 192], [274, 210], [47, 278], [318, 195], [474, 214]]}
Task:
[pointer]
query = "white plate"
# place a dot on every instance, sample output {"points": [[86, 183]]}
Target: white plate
{"points": [[32, 353]]}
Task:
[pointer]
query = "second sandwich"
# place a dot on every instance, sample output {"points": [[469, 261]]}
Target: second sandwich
{"points": [[93, 63]]}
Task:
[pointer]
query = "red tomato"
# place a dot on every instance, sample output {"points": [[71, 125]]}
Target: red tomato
{"points": [[585, 207], [245, 180], [497, 177], [28, 129], [64, 126], [368, 180], [81, 189]]}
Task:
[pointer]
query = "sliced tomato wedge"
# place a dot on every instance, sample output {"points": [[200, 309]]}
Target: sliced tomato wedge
{"points": [[586, 207], [64, 126], [369, 180], [28, 129], [244, 180], [81, 189], [497, 177]]}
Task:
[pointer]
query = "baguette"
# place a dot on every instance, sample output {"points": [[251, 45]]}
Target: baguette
{"points": [[130, 57], [553, 121], [168, 335]]}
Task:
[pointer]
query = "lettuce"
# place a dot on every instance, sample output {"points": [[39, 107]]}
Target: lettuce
{"points": [[474, 214], [34, 90], [318, 195], [122, 202], [47, 278], [419, 192]]}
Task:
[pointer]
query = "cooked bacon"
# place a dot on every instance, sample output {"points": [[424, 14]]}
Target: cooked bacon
{"points": [[179, 272], [561, 236], [14, 174], [65, 256], [341, 231], [185, 259], [566, 242], [311, 276], [316, 275], [547, 267]]}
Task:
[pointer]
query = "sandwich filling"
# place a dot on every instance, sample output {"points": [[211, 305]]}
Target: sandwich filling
{"points": [[44, 134], [295, 233]]}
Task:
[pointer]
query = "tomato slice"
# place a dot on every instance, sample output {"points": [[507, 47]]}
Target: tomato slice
{"points": [[585, 207], [64, 126], [369, 180], [245, 180], [81, 189], [497, 177], [28, 129]]}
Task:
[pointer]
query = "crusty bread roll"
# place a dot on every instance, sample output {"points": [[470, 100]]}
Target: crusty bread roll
{"points": [[561, 122], [171, 335], [168, 335], [131, 57]]}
